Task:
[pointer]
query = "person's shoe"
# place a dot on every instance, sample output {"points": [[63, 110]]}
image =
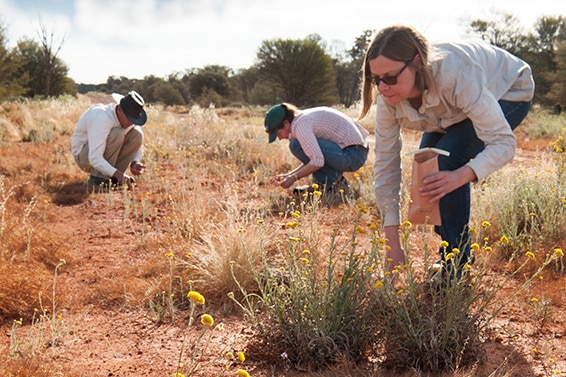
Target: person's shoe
{"points": [[115, 182], [302, 190], [99, 183], [341, 186]]}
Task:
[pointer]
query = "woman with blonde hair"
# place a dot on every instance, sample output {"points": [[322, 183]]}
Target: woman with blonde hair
{"points": [[466, 97]]}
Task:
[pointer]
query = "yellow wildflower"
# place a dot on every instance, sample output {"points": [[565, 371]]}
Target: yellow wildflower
{"points": [[229, 355], [475, 247], [305, 260], [449, 256], [177, 374], [169, 255], [259, 222], [407, 224], [196, 297], [241, 230], [296, 239], [242, 373], [504, 240], [317, 193], [360, 230], [485, 224], [241, 356], [306, 252], [207, 320], [534, 300], [378, 285], [488, 249], [456, 251], [558, 252], [530, 255], [444, 244], [292, 224], [315, 186]]}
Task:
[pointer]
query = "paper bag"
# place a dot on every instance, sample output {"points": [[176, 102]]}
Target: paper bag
{"points": [[425, 163]]}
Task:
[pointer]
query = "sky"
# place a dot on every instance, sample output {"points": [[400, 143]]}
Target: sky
{"points": [[137, 38]]}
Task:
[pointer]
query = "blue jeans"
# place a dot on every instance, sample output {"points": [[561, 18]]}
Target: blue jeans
{"points": [[463, 144], [336, 160]]}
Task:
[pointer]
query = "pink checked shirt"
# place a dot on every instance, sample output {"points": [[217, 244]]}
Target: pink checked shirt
{"points": [[325, 123]]}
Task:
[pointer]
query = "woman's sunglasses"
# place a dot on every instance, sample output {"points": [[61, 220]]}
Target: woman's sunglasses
{"points": [[389, 80]]}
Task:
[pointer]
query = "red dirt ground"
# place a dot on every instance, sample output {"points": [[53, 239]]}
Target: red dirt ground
{"points": [[120, 340], [123, 341]]}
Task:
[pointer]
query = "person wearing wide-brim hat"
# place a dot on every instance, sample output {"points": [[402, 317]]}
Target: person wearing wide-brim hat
{"points": [[326, 141], [108, 139]]}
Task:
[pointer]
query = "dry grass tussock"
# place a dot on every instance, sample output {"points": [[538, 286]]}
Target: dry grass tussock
{"points": [[286, 270]]}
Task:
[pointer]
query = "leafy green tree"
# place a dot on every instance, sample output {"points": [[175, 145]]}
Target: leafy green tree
{"points": [[12, 83], [349, 71], [550, 31], [210, 82], [123, 85], [166, 92], [34, 64], [300, 69], [538, 48], [502, 31], [557, 93]]}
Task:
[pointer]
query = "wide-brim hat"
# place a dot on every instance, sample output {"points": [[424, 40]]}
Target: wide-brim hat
{"points": [[132, 105]]}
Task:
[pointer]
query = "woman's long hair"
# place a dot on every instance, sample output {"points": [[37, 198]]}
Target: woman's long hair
{"points": [[400, 43]]}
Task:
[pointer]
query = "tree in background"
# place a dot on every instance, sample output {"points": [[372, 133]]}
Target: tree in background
{"points": [[12, 82], [557, 92], [502, 31], [349, 70], [45, 80], [539, 49], [544, 57], [210, 85], [300, 71]]}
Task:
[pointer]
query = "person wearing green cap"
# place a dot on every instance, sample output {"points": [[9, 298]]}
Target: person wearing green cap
{"points": [[326, 141]]}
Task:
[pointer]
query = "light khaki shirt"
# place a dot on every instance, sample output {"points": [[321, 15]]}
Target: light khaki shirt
{"points": [[471, 77]]}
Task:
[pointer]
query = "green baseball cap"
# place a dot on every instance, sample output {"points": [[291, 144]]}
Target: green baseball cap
{"points": [[273, 118]]}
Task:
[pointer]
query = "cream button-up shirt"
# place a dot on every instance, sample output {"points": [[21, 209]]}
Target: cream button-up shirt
{"points": [[470, 77]]}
